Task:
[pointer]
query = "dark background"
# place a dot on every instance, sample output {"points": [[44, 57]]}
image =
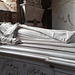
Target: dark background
{"points": [[47, 16], [6, 16]]}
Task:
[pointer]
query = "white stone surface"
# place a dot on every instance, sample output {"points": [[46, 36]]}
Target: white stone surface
{"points": [[17, 66], [63, 16]]}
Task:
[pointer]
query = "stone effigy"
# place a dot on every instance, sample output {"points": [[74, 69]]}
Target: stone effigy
{"points": [[7, 33], [15, 33]]}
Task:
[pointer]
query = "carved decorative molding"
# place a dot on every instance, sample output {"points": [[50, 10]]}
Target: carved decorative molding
{"points": [[43, 52], [12, 67]]}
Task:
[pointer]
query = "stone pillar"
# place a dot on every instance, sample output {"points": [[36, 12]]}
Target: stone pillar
{"points": [[63, 14]]}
